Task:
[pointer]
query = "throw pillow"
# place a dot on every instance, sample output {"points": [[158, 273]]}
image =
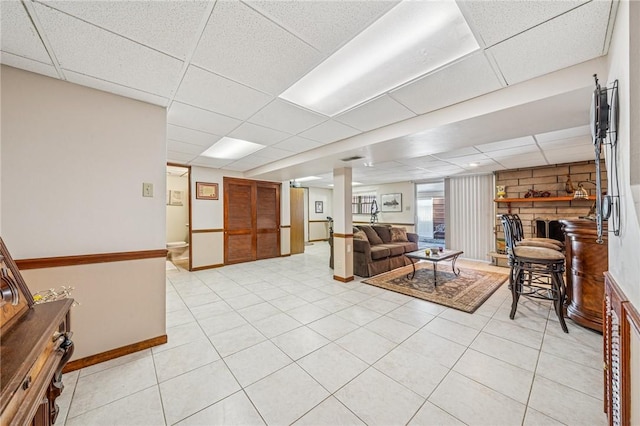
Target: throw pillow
{"points": [[384, 232], [360, 235], [399, 235], [372, 236]]}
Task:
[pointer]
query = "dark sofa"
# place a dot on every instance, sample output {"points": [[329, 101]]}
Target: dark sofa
{"points": [[379, 248]]}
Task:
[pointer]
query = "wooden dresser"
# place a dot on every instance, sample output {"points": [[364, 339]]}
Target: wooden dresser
{"points": [[36, 344], [587, 262]]}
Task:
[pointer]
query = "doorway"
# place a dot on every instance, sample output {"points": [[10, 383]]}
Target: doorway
{"points": [[430, 212], [178, 217]]}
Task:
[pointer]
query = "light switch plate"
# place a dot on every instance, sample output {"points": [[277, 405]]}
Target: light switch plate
{"points": [[147, 189]]}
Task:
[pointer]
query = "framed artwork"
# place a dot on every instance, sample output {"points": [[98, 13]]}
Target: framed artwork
{"points": [[319, 207], [206, 191], [391, 202], [175, 198]]}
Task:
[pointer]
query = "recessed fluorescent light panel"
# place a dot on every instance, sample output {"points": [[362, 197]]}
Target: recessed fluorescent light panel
{"points": [[307, 178], [231, 149], [412, 39]]}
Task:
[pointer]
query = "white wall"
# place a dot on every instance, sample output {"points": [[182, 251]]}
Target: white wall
{"points": [[406, 216], [73, 163], [623, 250], [178, 216], [319, 230]]}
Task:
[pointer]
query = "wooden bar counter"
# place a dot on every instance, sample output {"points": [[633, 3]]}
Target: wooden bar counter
{"points": [[586, 263]]}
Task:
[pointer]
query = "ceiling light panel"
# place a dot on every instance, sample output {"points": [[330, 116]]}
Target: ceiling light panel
{"points": [[18, 34], [411, 40], [576, 36], [199, 119], [283, 116], [93, 54], [376, 113], [325, 25], [231, 149], [238, 42], [462, 80], [212, 92], [168, 26]]}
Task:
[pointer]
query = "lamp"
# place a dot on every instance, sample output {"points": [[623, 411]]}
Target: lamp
{"points": [[582, 193]]}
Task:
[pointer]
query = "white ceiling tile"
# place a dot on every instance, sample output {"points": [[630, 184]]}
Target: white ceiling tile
{"points": [[569, 39], [507, 144], [212, 92], [19, 37], [258, 134], [569, 154], [117, 89], [243, 45], [271, 154], [530, 160], [200, 119], [191, 136], [297, 144], [179, 157], [247, 163], [465, 160], [286, 117], [564, 134], [210, 162], [186, 148], [329, 131], [104, 55], [376, 113], [584, 141], [324, 25], [465, 79], [28, 64], [169, 26], [457, 153], [511, 152], [498, 20]]}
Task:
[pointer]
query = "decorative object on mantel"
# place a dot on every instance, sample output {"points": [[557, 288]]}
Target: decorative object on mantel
{"points": [[500, 192], [568, 186], [532, 193], [465, 292], [604, 130]]}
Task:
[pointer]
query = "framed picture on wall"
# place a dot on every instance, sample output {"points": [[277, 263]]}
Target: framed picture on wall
{"points": [[391, 202], [319, 207], [206, 191]]}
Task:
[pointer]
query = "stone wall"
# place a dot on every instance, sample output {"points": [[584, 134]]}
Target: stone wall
{"points": [[551, 179]]}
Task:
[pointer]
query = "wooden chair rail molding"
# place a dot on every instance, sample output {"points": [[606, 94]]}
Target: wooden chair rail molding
{"points": [[621, 319], [87, 259]]}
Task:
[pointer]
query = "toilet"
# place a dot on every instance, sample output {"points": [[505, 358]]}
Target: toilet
{"points": [[177, 250]]}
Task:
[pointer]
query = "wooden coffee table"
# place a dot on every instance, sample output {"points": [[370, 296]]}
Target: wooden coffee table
{"points": [[419, 255]]}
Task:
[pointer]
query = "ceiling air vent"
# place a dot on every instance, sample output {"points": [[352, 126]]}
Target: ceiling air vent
{"points": [[355, 157]]}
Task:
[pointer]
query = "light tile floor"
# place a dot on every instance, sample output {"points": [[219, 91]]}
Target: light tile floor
{"points": [[279, 342]]}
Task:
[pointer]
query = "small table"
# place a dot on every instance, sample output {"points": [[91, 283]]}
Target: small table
{"points": [[434, 258]]}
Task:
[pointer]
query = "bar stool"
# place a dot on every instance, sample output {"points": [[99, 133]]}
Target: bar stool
{"points": [[536, 272], [549, 243]]}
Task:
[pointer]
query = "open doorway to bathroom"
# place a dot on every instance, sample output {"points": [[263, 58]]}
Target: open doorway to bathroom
{"points": [[430, 212], [178, 229]]}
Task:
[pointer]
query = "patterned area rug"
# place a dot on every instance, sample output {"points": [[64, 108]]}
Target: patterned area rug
{"points": [[465, 292]]}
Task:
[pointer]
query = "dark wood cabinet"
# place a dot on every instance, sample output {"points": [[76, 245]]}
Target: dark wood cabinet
{"points": [[587, 262], [36, 345]]}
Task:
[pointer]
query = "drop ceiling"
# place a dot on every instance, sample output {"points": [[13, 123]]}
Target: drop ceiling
{"points": [[520, 100]]}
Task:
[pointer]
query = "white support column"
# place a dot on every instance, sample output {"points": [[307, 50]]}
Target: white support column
{"points": [[342, 225]]}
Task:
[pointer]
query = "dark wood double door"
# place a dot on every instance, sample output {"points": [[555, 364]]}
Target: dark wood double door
{"points": [[251, 220]]}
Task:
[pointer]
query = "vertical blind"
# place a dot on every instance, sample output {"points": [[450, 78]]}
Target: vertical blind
{"points": [[470, 214]]}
